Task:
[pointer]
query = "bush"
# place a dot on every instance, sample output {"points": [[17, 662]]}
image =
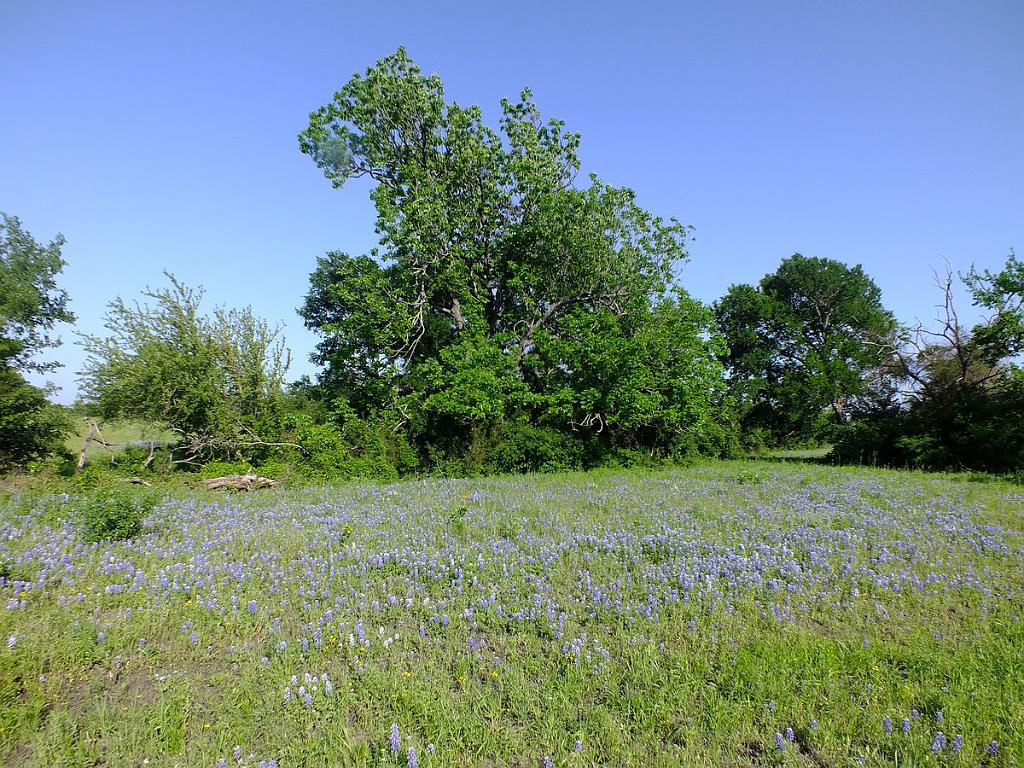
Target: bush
{"points": [[335, 453], [223, 469], [526, 448], [115, 515]]}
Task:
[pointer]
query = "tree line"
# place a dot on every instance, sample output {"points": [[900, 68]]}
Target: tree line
{"points": [[515, 317]]}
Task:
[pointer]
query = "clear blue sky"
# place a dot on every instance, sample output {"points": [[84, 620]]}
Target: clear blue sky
{"points": [[163, 135]]}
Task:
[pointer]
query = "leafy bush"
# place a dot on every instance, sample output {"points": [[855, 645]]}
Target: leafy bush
{"points": [[115, 514], [92, 476], [335, 453], [224, 468], [526, 448]]}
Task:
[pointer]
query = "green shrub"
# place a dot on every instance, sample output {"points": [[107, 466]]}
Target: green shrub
{"points": [[115, 514], [224, 468], [527, 448], [92, 476]]}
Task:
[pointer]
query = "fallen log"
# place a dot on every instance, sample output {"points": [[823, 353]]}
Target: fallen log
{"points": [[246, 482]]}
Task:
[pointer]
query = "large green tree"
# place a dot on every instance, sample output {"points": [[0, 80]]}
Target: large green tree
{"points": [[31, 306], [803, 345], [500, 281], [214, 380]]}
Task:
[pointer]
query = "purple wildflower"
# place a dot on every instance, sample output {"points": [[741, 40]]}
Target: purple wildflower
{"points": [[905, 725], [780, 742], [548, 763], [938, 741], [887, 724], [237, 754], [993, 747], [958, 744], [411, 759], [396, 739], [790, 736], [251, 606]]}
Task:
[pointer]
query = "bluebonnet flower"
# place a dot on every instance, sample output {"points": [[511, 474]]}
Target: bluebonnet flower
{"points": [[578, 746], [780, 742], [251, 606], [905, 725], [993, 747], [887, 724], [548, 763], [411, 760], [939, 717], [789, 734], [396, 739], [938, 741], [237, 753], [958, 744], [222, 762], [195, 637]]}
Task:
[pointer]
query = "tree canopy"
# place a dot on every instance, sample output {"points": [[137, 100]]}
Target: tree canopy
{"points": [[502, 289], [803, 343], [31, 305], [216, 381]]}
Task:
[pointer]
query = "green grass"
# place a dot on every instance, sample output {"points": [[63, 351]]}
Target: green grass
{"points": [[664, 580], [117, 433]]}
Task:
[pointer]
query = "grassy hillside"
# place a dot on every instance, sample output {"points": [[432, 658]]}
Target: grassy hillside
{"points": [[117, 433], [736, 614]]}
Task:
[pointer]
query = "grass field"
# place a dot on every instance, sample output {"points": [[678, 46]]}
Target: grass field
{"points": [[117, 433], [734, 614]]}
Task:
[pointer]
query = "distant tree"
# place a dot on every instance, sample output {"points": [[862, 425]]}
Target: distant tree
{"points": [[803, 345], [498, 281], [215, 381], [31, 305]]}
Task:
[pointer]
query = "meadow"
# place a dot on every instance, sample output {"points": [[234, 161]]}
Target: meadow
{"points": [[733, 614]]}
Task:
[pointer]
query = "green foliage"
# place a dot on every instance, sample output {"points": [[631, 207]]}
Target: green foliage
{"points": [[358, 449], [215, 381], [31, 305], [223, 468], [114, 514], [503, 292], [31, 427], [528, 448], [803, 346], [963, 397]]}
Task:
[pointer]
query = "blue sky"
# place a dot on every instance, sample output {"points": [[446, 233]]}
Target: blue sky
{"points": [[163, 135]]}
